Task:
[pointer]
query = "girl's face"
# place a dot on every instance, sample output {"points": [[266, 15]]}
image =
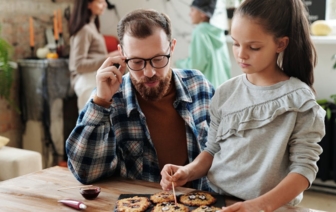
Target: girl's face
{"points": [[196, 16], [97, 7], [255, 50]]}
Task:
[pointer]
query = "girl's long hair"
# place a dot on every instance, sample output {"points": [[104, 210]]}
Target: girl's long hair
{"points": [[80, 16], [286, 18]]}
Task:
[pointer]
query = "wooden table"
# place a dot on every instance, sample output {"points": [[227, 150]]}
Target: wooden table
{"points": [[39, 191]]}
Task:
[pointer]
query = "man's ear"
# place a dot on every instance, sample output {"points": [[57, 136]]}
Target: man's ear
{"points": [[282, 44], [172, 45], [120, 50]]}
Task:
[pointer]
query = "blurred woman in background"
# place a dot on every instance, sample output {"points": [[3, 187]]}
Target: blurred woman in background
{"points": [[87, 47]]}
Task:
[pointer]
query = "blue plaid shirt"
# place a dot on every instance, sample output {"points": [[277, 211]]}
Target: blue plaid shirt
{"points": [[116, 141]]}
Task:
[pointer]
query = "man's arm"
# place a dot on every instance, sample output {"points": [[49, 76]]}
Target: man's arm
{"points": [[91, 147]]}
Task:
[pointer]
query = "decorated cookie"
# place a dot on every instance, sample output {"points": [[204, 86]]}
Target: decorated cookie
{"points": [[197, 198], [133, 204], [205, 208], [163, 196], [169, 207]]}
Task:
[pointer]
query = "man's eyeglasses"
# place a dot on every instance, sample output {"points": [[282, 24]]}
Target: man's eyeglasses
{"points": [[137, 64]]}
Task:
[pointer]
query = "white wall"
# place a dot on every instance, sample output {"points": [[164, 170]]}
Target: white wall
{"points": [[178, 11]]}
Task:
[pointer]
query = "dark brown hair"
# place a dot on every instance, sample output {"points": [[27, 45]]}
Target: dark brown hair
{"points": [[80, 16], [141, 23], [286, 18]]}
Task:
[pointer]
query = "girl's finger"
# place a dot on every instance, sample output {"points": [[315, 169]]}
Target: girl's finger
{"points": [[231, 208], [166, 185]]}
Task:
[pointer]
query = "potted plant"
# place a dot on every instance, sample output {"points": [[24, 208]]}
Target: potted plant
{"points": [[324, 102], [6, 71]]}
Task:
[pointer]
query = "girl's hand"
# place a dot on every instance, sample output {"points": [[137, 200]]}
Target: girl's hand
{"points": [[247, 206], [109, 77], [171, 173]]}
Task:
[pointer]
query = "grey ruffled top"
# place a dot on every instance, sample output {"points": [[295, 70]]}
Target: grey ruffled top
{"points": [[260, 134]]}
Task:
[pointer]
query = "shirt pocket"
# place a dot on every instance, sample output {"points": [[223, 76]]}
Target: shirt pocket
{"points": [[131, 159], [131, 149]]}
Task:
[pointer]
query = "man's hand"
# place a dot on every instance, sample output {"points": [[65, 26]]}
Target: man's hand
{"points": [[109, 77]]}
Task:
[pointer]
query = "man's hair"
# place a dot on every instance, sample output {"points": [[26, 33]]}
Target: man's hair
{"points": [[141, 23]]}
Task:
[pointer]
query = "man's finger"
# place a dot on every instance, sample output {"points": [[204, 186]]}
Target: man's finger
{"points": [[112, 70], [108, 62], [105, 76], [114, 61]]}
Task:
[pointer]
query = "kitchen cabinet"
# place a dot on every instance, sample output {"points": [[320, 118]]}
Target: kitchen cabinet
{"points": [[45, 93]]}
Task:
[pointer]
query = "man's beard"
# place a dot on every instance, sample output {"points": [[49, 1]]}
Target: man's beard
{"points": [[155, 93]]}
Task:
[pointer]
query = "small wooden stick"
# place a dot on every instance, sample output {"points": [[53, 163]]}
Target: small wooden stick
{"points": [[74, 187], [174, 190]]}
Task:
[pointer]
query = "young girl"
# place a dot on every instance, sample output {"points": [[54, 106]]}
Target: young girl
{"points": [[265, 124]]}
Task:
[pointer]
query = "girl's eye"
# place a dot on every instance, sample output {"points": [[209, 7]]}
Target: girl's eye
{"points": [[236, 44], [254, 49]]}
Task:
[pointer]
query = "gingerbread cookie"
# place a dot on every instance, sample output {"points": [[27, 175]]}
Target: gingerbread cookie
{"points": [[169, 207], [133, 204], [205, 208], [197, 198], [163, 196]]}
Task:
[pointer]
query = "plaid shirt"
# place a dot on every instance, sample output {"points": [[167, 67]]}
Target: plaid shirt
{"points": [[116, 141]]}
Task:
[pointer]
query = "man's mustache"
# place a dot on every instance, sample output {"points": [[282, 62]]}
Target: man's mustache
{"points": [[151, 79]]}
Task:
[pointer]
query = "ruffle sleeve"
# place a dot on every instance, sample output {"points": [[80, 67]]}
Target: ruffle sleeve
{"points": [[257, 116]]}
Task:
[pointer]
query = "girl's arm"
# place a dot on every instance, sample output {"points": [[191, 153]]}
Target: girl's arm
{"points": [[200, 166], [290, 187], [304, 153]]}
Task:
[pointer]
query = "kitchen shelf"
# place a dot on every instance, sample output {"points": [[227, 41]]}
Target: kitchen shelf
{"points": [[324, 39]]}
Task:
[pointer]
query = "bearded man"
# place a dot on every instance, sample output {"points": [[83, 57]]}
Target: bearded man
{"points": [[135, 123]]}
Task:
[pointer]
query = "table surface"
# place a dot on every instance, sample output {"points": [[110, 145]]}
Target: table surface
{"points": [[42, 190]]}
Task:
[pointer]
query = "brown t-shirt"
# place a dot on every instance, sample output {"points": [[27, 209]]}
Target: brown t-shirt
{"points": [[167, 128]]}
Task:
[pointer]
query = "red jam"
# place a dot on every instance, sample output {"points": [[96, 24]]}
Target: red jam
{"points": [[90, 193]]}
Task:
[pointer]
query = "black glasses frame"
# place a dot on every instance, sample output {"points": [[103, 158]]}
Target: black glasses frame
{"points": [[150, 61]]}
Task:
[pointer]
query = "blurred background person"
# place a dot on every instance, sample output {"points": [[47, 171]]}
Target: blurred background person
{"points": [[208, 51], [87, 47]]}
